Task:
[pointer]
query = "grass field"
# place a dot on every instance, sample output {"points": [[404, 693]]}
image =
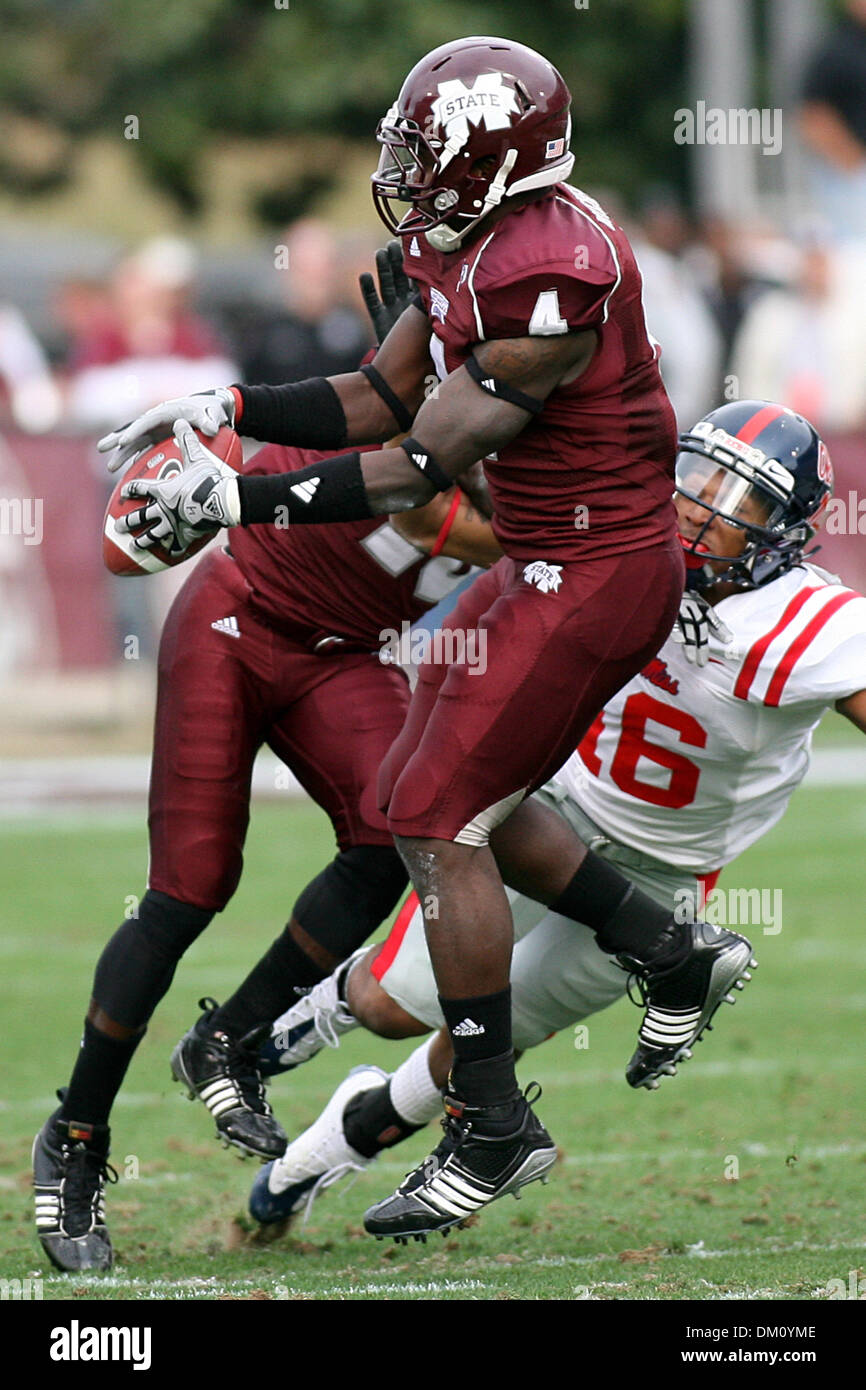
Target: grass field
{"points": [[643, 1204]]}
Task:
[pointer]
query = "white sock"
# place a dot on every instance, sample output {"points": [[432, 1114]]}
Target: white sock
{"points": [[414, 1094]]}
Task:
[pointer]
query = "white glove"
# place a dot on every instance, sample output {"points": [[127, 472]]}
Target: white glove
{"points": [[207, 412], [696, 623], [202, 498]]}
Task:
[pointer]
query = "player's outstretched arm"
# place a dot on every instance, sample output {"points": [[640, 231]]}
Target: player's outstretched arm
{"points": [[476, 411], [366, 406]]}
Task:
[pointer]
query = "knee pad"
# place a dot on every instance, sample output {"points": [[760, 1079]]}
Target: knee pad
{"points": [[348, 900], [138, 964]]}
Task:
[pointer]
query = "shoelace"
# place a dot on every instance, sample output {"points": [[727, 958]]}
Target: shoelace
{"points": [[82, 1180], [242, 1069], [328, 1179], [635, 982], [324, 1026], [241, 1064], [456, 1130]]}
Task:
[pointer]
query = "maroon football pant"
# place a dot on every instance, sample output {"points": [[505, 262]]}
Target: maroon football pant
{"points": [[225, 691], [542, 659]]}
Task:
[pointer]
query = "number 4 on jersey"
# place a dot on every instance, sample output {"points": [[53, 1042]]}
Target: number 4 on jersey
{"points": [[546, 318]]}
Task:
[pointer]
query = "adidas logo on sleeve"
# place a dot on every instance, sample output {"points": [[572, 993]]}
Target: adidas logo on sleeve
{"points": [[307, 490]]}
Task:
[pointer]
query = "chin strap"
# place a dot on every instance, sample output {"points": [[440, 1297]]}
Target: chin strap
{"points": [[444, 238]]}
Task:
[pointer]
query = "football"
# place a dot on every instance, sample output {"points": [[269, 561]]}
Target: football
{"points": [[119, 552]]}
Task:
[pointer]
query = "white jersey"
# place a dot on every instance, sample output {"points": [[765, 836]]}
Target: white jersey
{"points": [[693, 765]]}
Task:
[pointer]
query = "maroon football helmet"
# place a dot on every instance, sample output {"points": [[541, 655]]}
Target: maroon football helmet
{"points": [[476, 121]]}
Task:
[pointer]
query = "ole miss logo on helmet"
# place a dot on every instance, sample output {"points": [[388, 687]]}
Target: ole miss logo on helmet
{"points": [[825, 467]]}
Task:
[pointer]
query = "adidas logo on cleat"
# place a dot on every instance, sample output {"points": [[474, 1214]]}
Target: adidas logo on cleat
{"points": [[468, 1029]]}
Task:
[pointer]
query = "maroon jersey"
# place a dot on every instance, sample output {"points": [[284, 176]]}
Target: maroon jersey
{"points": [[351, 579], [593, 472]]}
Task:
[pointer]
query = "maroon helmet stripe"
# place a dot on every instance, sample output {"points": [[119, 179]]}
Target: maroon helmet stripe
{"points": [[753, 426]]}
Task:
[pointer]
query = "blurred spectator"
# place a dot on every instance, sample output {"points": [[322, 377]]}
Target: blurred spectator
{"points": [[805, 344], [81, 314], [677, 314], [833, 123], [26, 385], [320, 331], [150, 346], [729, 284]]}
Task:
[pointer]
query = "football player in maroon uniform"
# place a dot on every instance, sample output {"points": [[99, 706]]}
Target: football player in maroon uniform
{"points": [[275, 639], [530, 305]]}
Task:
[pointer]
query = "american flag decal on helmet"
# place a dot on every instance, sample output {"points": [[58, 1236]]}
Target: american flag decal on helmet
{"points": [[554, 148]]}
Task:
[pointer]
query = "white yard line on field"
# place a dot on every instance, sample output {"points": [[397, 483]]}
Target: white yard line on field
{"points": [[213, 1288]]}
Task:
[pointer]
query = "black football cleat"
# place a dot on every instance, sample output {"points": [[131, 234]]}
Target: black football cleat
{"points": [[223, 1073], [487, 1152], [681, 987], [70, 1167]]}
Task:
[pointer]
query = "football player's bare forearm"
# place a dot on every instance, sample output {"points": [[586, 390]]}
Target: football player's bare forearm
{"points": [[471, 539], [474, 484], [461, 423], [458, 424], [452, 525], [403, 361]]}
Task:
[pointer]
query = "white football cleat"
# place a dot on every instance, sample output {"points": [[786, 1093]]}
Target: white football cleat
{"points": [[317, 1159], [319, 1019]]}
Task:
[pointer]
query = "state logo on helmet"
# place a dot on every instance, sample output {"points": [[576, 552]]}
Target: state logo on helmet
{"points": [[762, 469], [476, 121]]}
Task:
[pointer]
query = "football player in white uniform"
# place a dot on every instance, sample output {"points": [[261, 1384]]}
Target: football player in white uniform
{"points": [[689, 764]]}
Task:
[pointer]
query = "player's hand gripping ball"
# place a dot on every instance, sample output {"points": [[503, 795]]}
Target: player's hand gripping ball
{"points": [[137, 551]]}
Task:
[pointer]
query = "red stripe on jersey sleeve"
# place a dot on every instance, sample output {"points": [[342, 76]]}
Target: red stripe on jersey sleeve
{"points": [[394, 939], [756, 652], [752, 428], [799, 645]]}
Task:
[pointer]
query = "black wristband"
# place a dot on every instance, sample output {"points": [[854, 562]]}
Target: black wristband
{"points": [[392, 400], [494, 386], [332, 490], [308, 414], [424, 461]]}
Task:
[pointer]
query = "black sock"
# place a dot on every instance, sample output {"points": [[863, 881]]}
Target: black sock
{"points": [[371, 1124], [137, 965], [284, 972], [97, 1075], [480, 1030], [338, 910], [488, 1081], [622, 917]]}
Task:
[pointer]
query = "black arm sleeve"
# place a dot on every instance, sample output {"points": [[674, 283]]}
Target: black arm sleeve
{"points": [[332, 490], [308, 414]]}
